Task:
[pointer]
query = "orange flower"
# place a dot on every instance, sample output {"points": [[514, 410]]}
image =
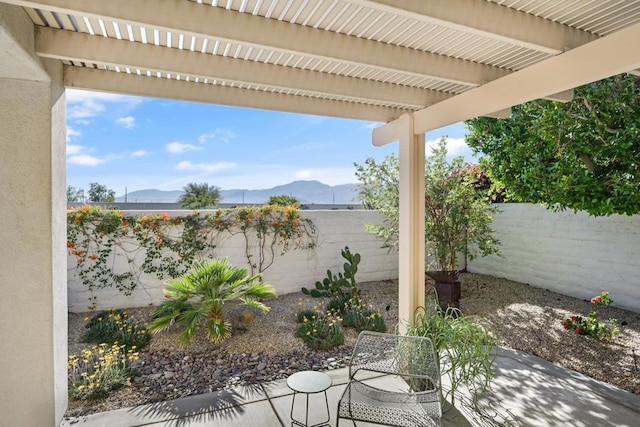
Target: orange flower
{"points": [[71, 245], [92, 256]]}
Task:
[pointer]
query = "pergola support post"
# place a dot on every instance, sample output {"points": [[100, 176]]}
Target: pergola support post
{"points": [[33, 272], [411, 289]]}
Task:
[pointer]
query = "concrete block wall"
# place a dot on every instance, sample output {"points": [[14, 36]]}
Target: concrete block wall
{"points": [[572, 254], [288, 274]]}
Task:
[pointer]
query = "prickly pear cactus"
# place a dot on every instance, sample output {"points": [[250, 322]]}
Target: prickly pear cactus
{"points": [[341, 285]]}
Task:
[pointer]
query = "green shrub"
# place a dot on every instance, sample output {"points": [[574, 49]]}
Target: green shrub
{"points": [[100, 370], [305, 314], [341, 304], [465, 346], [363, 319], [590, 325], [116, 326], [321, 332]]}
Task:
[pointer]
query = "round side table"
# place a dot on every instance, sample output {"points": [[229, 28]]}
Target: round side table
{"points": [[309, 382]]}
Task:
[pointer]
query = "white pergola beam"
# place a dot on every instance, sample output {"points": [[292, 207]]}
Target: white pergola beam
{"points": [[177, 16], [160, 87], [564, 96], [79, 47], [386, 134], [490, 20], [616, 53], [502, 114]]}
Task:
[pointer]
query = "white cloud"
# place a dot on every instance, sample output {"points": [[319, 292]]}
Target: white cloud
{"points": [[455, 147], [373, 125], [72, 133], [83, 105], [74, 149], [140, 153], [205, 167], [88, 108], [85, 160], [178, 147], [126, 122], [223, 135]]}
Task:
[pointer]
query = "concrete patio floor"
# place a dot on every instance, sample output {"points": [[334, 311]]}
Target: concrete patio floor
{"points": [[527, 391]]}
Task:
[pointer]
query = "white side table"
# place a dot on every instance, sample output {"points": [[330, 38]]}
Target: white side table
{"points": [[309, 382]]}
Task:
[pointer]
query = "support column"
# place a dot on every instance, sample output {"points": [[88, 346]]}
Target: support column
{"points": [[33, 273], [411, 292]]}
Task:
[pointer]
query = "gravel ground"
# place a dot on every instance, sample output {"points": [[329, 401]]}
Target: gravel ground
{"points": [[525, 318]]}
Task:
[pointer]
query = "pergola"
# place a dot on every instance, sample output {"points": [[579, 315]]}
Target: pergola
{"points": [[416, 65]]}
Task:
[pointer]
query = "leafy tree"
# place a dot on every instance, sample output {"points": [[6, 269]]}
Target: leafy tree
{"points": [[75, 194], [100, 193], [380, 191], [283, 200], [457, 216], [582, 155], [201, 297], [199, 196]]}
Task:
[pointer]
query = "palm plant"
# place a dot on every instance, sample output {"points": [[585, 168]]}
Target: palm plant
{"points": [[202, 296]]}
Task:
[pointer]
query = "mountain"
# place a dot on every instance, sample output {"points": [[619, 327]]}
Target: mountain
{"points": [[308, 192], [151, 196]]}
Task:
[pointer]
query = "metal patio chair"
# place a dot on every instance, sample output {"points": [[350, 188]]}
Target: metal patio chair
{"points": [[393, 380]]}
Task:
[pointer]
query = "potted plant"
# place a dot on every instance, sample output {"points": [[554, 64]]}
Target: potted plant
{"points": [[457, 220], [465, 347], [457, 212]]}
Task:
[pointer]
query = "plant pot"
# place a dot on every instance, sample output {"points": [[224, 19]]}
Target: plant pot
{"points": [[448, 294], [447, 287], [444, 276]]}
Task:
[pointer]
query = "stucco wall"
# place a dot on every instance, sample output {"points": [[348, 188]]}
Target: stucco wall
{"points": [[33, 306], [573, 254], [288, 274]]}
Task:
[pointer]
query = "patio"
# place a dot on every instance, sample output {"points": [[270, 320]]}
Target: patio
{"points": [[415, 66], [528, 391]]}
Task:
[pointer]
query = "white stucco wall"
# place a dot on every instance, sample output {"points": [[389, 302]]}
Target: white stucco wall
{"points": [[573, 254], [288, 274]]}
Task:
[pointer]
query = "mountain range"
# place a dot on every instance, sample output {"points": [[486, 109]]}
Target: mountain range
{"points": [[308, 192]]}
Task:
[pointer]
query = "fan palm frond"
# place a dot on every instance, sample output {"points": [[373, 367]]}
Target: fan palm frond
{"points": [[201, 296]]}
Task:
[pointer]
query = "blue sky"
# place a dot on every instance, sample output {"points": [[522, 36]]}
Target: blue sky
{"points": [[140, 143]]}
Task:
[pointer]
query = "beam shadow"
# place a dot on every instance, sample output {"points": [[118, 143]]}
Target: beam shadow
{"points": [[207, 407]]}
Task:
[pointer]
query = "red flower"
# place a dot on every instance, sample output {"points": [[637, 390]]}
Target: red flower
{"points": [[579, 330]]}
